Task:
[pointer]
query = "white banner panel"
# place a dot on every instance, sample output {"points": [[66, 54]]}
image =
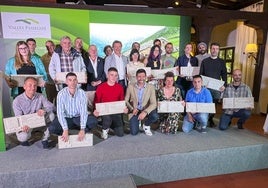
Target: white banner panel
{"points": [[25, 25]]}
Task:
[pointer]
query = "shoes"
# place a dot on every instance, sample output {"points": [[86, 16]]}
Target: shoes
{"points": [[26, 143], [104, 134], [45, 144], [140, 127], [202, 130], [240, 126], [211, 123], [147, 130]]}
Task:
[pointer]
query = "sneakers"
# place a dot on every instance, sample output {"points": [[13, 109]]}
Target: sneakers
{"points": [[211, 123], [240, 126], [45, 144], [147, 130], [202, 129], [140, 127], [104, 134]]}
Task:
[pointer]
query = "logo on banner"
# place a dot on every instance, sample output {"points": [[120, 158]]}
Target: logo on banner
{"points": [[24, 25]]}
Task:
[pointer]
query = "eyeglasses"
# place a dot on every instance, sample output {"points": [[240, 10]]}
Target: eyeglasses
{"points": [[25, 48]]}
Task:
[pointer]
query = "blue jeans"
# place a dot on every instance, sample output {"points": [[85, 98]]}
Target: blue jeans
{"points": [[201, 118], [134, 122], [225, 119], [73, 123]]}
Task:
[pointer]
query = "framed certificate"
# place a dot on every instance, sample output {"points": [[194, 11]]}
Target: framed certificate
{"points": [[189, 71], [20, 78], [160, 73], [170, 106], [200, 107], [14, 124], [81, 77], [108, 108], [236, 103], [212, 83], [73, 142]]}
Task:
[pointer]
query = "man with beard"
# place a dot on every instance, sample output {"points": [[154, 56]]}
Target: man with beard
{"points": [[167, 59], [202, 52], [141, 102], [236, 89], [214, 67]]}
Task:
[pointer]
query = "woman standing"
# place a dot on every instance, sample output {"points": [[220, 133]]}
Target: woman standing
{"points": [[134, 64], [169, 121], [23, 63]]}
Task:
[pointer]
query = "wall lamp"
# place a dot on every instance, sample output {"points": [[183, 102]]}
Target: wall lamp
{"points": [[251, 50]]}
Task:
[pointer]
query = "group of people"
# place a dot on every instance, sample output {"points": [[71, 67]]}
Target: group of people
{"points": [[108, 81]]}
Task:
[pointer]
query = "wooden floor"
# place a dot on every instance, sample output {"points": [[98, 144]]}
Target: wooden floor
{"points": [[258, 178]]}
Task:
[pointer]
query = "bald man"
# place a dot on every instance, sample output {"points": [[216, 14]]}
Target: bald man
{"points": [[236, 89]]}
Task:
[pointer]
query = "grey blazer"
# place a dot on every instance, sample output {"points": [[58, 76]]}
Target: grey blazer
{"points": [[111, 62]]}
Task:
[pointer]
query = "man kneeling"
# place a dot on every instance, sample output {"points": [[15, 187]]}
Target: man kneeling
{"points": [[72, 111], [30, 102]]}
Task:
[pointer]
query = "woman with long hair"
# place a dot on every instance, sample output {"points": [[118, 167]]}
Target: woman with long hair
{"points": [[23, 63]]}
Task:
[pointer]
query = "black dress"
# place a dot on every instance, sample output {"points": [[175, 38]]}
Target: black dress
{"points": [[27, 69]]}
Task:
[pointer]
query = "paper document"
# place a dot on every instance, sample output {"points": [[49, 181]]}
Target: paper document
{"points": [[170, 106], [73, 142], [81, 77], [108, 108], [131, 70], [14, 124], [200, 107], [20, 78], [189, 71], [237, 103], [212, 83], [160, 73]]}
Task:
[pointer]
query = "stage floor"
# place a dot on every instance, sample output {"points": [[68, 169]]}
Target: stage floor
{"points": [[119, 148]]}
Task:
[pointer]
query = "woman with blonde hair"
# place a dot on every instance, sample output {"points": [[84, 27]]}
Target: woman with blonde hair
{"points": [[23, 63]]}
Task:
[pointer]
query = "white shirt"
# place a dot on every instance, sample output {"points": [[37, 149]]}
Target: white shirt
{"points": [[120, 67], [94, 65]]}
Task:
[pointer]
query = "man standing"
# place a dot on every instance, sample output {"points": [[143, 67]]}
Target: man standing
{"points": [[95, 74], [118, 61], [65, 59], [235, 90], [202, 52], [51, 91], [214, 67], [95, 69], [78, 45], [110, 91], [197, 94], [32, 45], [185, 60], [167, 59], [72, 111], [141, 101], [31, 102]]}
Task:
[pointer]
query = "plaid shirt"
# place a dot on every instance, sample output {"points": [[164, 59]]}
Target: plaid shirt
{"points": [[230, 92], [66, 62]]}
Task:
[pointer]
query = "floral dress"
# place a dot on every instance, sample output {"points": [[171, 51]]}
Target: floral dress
{"points": [[169, 121]]}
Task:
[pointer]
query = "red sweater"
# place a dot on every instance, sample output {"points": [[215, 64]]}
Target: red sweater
{"points": [[107, 93]]}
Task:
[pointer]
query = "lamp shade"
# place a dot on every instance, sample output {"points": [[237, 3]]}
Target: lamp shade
{"points": [[251, 48]]}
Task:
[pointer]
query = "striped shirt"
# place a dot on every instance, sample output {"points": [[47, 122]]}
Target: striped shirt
{"points": [[69, 106], [231, 92]]}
